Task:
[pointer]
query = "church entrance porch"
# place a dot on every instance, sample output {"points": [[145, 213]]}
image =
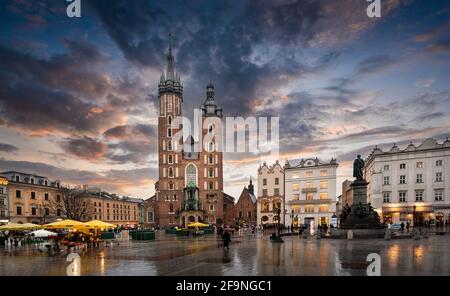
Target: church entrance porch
{"points": [[188, 217]]}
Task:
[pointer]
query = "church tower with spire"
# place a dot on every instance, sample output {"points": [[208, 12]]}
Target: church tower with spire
{"points": [[171, 174], [190, 185]]}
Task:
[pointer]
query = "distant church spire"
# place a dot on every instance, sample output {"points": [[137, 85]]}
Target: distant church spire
{"points": [[170, 71]]}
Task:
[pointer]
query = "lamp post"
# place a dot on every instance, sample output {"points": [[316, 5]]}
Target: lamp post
{"points": [[292, 220]]}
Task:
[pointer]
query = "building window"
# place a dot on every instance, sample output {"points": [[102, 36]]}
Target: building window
{"points": [[323, 209], [17, 179], [264, 192], [419, 178], [309, 209], [33, 211], [47, 211], [58, 212], [402, 179], [438, 195], [276, 191], [1, 190], [309, 196], [419, 164], [169, 120], [296, 187], [58, 198], [46, 196], [170, 185], [438, 163], [211, 207], [295, 196], [295, 176], [169, 145], [277, 181], [211, 185], [33, 195], [309, 174], [170, 173], [169, 104], [211, 172], [169, 132], [264, 182], [438, 177], [386, 167], [386, 197], [171, 207], [402, 196], [18, 194], [309, 185], [170, 159], [19, 210], [150, 216], [386, 180], [32, 181], [324, 195], [323, 173], [191, 175], [419, 195], [403, 166], [211, 159], [323, 184]]}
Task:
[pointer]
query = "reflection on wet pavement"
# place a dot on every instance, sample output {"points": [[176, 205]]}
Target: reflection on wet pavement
{"points": [[169, 255]]}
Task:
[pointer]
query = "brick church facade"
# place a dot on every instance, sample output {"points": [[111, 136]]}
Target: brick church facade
{"points": [[190, 185]]}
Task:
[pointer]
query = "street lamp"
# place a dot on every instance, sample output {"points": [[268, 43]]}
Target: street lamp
{"points": [[292, 220]]}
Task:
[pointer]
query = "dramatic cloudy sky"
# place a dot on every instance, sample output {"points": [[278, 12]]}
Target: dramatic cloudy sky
{"points": [[77, 96]]}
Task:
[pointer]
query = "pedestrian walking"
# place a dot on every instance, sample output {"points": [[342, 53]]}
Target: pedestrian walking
{"points": [[226, 238], [407, 226], [402, 227]]}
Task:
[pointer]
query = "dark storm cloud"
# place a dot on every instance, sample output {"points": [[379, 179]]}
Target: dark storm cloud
{"points": [[126, 131], [228, 44], [108, 180], [85, 147], [44, 95], [8, 148]]}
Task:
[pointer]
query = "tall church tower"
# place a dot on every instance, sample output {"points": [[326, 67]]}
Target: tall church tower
{"points": [[169, 191]]}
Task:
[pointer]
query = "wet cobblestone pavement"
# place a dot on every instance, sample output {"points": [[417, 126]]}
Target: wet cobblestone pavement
{"points": [[169, 255]]}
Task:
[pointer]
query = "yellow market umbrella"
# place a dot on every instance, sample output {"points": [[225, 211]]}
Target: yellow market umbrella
{"points": [[197, 224], [18, 226], [64, 224], [95, 224]]}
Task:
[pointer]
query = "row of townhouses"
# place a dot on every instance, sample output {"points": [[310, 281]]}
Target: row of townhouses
{"points": [[405, 185], [31, 198]]}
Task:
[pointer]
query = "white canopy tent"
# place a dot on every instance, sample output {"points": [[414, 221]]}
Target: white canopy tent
{"points": [[43, 233]]}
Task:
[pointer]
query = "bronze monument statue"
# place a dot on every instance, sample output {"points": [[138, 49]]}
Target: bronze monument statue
{"points": [[358, 166]]}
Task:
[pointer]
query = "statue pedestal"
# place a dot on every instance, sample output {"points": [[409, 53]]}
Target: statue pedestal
{"points": [[361, 219]]}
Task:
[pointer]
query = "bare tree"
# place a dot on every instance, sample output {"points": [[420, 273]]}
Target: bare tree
{"points": [[74, 204]]}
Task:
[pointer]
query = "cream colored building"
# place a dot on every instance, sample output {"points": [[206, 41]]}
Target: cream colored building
{"points": [[310, 190], [408, 181], [4, 209], [270, 194], [31, 198]]}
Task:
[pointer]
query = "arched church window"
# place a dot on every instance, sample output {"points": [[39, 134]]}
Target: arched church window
{"points": [[169, 104], [211, 172], [171, 207], [191, 175], [169, 132], [211, 147], [211, 159], [170, 172], [211, 185], [169, 120], [169, 145], [170, 159]]}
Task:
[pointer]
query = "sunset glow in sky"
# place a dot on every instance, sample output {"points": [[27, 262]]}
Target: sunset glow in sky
{"points": [[78, 97]]}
